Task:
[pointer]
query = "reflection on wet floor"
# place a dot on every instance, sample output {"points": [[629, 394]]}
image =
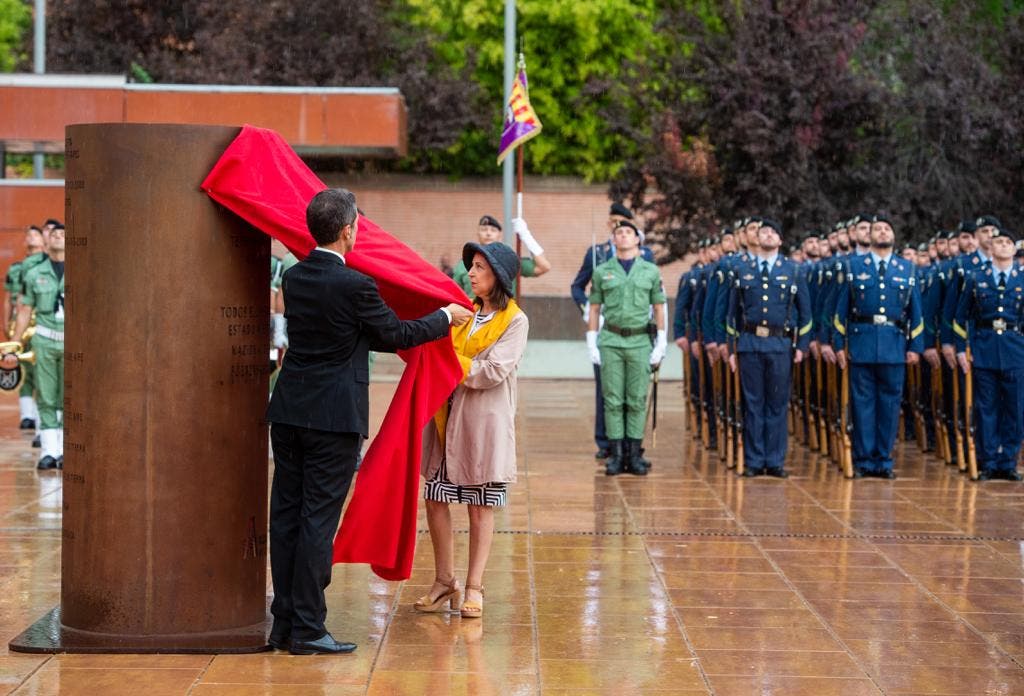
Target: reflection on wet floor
{"points": [[687, 581]]}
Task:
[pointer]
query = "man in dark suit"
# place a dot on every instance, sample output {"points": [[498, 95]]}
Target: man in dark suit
{"points": [[319, 412]]}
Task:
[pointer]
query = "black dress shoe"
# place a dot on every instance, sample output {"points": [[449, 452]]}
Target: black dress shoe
{"points": [[60, 462], [47, 462], [1010, 475], [36, 442], [888, 474], [751, 473], [26, 424], [985, 475], [279, 642], [858, 473], [777, 472], [602, 453], [321, 646]]}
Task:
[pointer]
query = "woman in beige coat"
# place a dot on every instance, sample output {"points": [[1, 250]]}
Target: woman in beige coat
{"points": [[469, 449]]}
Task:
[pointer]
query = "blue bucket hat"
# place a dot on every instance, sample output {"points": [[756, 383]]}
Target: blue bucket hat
{"points": [[502, 259]]}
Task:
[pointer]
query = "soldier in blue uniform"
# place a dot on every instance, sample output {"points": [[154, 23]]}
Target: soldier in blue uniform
{"points": [[990, 317], [878, 331], [770, 317], [595, 256]]}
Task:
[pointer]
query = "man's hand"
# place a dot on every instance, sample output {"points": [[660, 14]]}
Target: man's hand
{"points": [[798, 357], [9, 361], [949, 353], [732, 362], [965, 364], [841, 359], [712, 349], [931, 356], [595, 352], [912, 357], [460, 315], [828, 354], [684, 344], [695, 349], [815, 350], [723, 351]]}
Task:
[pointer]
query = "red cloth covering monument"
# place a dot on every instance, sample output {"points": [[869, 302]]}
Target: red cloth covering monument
{"points": [[261, 179]]}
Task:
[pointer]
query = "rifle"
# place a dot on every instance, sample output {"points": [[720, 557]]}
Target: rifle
{"points": [[836, 441], [961, 463], [918, 408], [810, 428], [941, 433], [691, 416], [727, 420], [716, 407], [738, 400], [652, 405], [705, 436], [846, 426], [972, 461], [819, 417]]}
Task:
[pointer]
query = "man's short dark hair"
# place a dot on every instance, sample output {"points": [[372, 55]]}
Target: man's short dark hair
{"points": [[51, 222], [328, 212]]}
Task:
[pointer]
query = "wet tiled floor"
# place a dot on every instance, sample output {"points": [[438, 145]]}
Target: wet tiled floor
{"points": [[688, 581]]}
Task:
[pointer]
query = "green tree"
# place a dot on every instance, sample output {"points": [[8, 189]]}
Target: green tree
{"points": [[15, 18], [575, 51]]}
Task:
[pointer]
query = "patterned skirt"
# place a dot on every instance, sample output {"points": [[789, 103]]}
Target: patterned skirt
{"points": [[438, 488]]}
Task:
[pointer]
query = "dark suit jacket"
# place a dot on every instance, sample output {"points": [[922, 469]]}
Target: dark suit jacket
{"points": [[335, 316]]}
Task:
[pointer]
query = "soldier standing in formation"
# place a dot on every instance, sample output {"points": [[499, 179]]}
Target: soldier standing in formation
{"points": [[596, 255], [28, 413], [770, 318], [629, 290]]}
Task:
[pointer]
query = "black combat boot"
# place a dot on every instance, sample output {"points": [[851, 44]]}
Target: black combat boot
{"points": [[615, 464], [635, 462]]}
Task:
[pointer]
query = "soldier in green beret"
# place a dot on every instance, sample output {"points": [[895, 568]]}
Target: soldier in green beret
{"points": [[628, 289]]}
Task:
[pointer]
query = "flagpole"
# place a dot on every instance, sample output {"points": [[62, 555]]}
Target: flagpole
{"points": [[507, 172], [519, 214]]}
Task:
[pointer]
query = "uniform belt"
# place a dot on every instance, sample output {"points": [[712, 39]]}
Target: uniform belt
{"points": [[49, 333], [878, 320], [642, 331], [997, 324], [765, 331]]}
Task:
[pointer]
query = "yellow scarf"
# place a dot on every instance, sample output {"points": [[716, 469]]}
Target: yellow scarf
{"points": [[468, 347]]}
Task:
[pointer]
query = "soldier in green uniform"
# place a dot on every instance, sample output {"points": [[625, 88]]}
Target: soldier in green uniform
{"points": [[43, 290], [12, 289], [489, 230], [627, 287]]}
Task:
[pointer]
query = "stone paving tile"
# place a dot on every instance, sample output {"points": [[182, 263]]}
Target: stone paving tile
{"points": [[687, 581]]}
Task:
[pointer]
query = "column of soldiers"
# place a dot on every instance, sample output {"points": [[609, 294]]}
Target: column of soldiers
{"points": [[34, 325], [827, 346]]}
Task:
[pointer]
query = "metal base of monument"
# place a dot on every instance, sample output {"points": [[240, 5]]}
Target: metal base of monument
{"points": [[47, 635]]}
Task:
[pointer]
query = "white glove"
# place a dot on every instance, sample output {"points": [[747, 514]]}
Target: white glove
{"points": [[280, 337], [595, 354], [520, 228], [658, 352]]}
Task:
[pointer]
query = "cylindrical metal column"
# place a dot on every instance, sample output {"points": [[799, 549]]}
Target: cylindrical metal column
{"points": [[166, 366]]}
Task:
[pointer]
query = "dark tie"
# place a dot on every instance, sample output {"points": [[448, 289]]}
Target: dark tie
{"points": [[1002, 280], [881, 269], [764, 270]]}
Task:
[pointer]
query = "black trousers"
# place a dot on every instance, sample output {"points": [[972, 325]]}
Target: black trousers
{"points": [[312, 473]]}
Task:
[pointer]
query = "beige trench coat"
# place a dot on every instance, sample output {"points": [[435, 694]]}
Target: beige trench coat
{"points": [[481, 440]]}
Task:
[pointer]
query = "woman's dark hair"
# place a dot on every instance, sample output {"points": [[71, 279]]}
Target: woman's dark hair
{"points": [[499, 297]]}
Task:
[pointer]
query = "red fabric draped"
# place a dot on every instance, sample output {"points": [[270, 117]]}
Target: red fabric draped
{"points": [[261, 179]]}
